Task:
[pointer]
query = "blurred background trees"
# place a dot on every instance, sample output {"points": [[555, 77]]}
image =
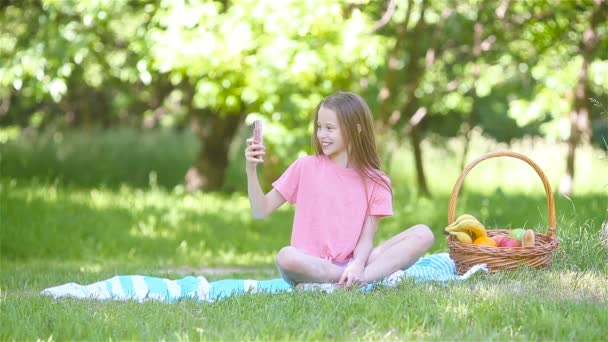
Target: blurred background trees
{"points": [[508, 69]]}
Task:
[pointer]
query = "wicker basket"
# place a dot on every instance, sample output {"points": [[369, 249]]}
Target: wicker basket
{"points": [[503, 258]]}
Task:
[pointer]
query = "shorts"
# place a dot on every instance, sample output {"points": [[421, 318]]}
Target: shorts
{"points": [[343, 264]]}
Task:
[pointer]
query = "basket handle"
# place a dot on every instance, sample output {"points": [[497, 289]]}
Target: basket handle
{"points": [[550, 202]]}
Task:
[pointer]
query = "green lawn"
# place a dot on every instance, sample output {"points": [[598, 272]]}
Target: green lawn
{"points": [[53, 232]]}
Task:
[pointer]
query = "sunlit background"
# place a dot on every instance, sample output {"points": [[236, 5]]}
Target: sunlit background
{"points": [[128, 118]]}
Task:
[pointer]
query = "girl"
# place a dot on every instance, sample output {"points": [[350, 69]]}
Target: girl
{"points": [[340, 195]]}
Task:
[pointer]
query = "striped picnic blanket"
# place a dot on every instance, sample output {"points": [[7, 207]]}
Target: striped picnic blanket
{"points": [[436, 267]]}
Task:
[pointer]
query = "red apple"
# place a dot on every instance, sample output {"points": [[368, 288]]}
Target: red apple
{"points": [[509, 242], [497, 238]]}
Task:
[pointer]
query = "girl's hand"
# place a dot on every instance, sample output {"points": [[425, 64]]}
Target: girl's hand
{"points": [[254, 154], [352, 275]]}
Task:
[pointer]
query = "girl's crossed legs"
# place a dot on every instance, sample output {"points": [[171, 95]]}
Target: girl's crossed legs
{"points": [[399, 252]]}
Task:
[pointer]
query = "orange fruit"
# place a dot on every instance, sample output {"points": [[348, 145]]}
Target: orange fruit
{"points": [[485, 241]]}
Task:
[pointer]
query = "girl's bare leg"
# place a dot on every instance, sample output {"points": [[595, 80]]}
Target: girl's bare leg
{"points": [[299, 267], [399, 252]]}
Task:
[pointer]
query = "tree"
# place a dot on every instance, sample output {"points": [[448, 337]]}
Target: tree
{"points": [[435, 68], [579, 115], [214, 62], [257, 57], [493, 65], [571, 37], [74, 63]]}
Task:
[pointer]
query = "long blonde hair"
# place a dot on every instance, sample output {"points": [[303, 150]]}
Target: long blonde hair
{"points": [[357, 127]]}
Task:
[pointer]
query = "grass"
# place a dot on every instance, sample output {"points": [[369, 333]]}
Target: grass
{"points": [[54, 231], [480, 309]]}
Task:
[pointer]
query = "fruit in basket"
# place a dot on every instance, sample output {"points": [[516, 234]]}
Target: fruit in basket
{"points": [[485, 241], [517, 234], [459, 219], [509, 242], [498, 238], [528, 239], [463, 237], [466, 228], [470, 226]]}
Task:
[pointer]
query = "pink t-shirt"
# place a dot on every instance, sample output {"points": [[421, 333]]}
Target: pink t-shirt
{"points": [[331, 205]]}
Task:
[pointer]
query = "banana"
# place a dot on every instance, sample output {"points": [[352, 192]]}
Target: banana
{"points": [[471, 226], [462, 237], [461, 224], [459, 219]]}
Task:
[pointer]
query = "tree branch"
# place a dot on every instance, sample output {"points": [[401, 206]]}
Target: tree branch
{"points": [[386, 17]]}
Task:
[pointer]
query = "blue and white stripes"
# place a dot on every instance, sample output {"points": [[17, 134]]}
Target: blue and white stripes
{"points": [[136, 287], [437, 267]]}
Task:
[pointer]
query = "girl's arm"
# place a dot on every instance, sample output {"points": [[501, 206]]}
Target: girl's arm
{"points": [[366, 240], [261, 205], [353, 274]]}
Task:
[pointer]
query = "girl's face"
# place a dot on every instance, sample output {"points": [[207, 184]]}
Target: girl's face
{"points": [[329, 134]]}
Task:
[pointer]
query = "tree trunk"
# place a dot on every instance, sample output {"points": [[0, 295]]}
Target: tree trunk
{"points": [[415, 72], [579, 116], [579, 126], [465, 148], [475, 71], [385, 96], [215, 133], [423, 189]]}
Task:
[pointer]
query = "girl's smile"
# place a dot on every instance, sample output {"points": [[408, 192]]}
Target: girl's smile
{"points": [[330, 136]]}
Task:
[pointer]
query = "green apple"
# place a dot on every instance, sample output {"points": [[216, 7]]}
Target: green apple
{"points": [[517, 234]]}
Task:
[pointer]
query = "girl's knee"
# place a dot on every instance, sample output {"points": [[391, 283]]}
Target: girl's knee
{"points": [[286, 258], [424, 234], [285, 264]]}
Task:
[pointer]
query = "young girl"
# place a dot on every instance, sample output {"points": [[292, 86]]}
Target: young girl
{"points": [[340, 195]]}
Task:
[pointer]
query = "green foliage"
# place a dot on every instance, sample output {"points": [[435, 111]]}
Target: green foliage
{"points": [[503, 81], [274, 58], [557, 44], [65, 58], [173, 64], [470, 64], [107, 158]]}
